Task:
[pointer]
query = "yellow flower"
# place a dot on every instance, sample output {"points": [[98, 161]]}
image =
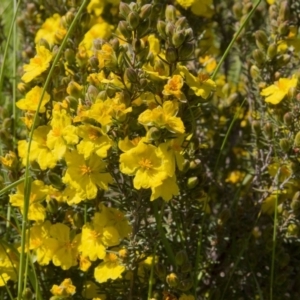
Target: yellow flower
{"points": [[208, 62], [41, 242], [10, 160], [164, 117], [32, 98], [106, 56], [39, 151], [49, 29], [66, 288], [203, 8], [85, 176], [185, 3], [173, 87], [145, 162], [94, 140], [66, 251], [201, 85], [8, 265], [97, 236], [154, 44], [110, 268], [38, 64], [38, 193], [166, 190], [101, 30], [276, 92]]}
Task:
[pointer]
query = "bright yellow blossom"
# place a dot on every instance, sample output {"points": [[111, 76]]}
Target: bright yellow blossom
{"points": [[38, 64], [85, 176], [32, 98], [166, 190], [164, 117], [66, 252], [173, 87], [276, 92], [145, 162], [39, 151], [110, 268], [97, 236], [65, 289], [201, 85], [8, 265], [38, 193]]}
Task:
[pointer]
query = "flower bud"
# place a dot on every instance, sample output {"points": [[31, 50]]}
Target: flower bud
{"points": [[143, 29], [261, 39], [78, 220], [115, 44], [172, 280], [170, 13], [133, 20], [284, 145], [189, 34], [102, 95], [186, 267], [143, 83], [254, 72], [297, 140], [237, 10], [124, 30], [185, 284], [288, 119], [92, 92], [181, 257], [145, 11], [131, 75], [283, 28], [124, 9], [27, 294], [295, 204], [69, 55], [161, 28], [74, 89], [181, 23], [268, 129], [192, 182], [171, 55], [137, 45], [94, 62], [154, 134], [284, 11], [160, 270], [55, 180], [272, 51], [256, 127], [52, 206], [259, 57], [170, 29], [178, 38], [186, 50], [195, 164]]}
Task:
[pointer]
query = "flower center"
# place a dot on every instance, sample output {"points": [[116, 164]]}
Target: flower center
{"points": [[145, 163], [111, 257], [85, 170], [93, 134]]}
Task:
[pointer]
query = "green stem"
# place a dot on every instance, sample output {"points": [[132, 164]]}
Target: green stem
{"points": [[151, 280]]}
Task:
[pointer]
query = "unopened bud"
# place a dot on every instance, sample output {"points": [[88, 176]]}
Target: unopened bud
{"points": [[237, 10], [124, 9], [78, 220], [186, 267], [124, 30], [131, 75], [288, 119], [94, 62], [268, 129], [261, 39], [297, 140], [143, 29], [55, 180], [52, 206], [283, 28], [192, 182], [254, 72], [170, 29], [27, 294], [189, 34], [181, 23], [186, 50], [171, 55], [172, 280], [284, 11], [272, 51], [102, 95], [133, 20], [284, 145], [115, 44], [178, 38], [160, 270], [259, 57], [170, 13], [181, 257], [161, 28], [145, 11], [137, 45], [185, 284], [69, 55], [74, 89]]}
